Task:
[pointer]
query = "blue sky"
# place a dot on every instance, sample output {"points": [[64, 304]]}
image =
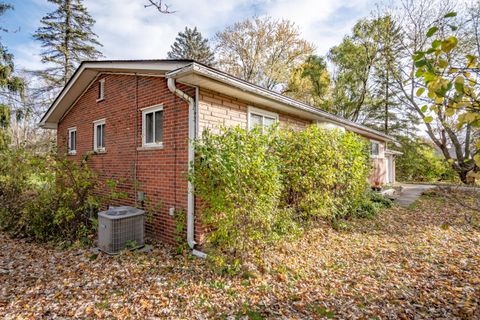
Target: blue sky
{"points": [[129, 31]]}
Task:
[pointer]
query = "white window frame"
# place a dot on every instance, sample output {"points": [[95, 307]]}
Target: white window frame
{"points": [[262, 113], [69, 143], [101, 90], [96, 123], [371, 149], [145, 111]]}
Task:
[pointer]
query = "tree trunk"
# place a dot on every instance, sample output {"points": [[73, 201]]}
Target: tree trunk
{"points": [[386, 101], [66, 44]]}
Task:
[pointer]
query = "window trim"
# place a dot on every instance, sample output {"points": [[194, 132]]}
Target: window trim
{"points": [[145, 111], [371, 149], [101, 90], [69, 150], [262, 113], [96, 123]]}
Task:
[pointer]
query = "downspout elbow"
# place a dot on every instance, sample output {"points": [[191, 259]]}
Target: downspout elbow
{"points": [[179, 93]]}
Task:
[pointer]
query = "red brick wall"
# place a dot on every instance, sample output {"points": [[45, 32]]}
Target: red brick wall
{"points": [[160, 172]]}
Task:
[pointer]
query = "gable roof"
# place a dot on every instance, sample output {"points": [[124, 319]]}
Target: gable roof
{"points": [[193, 73], [87, 72]]}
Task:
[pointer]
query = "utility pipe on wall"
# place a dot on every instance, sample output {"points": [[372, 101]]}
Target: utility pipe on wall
{"points": [[191, 154]]}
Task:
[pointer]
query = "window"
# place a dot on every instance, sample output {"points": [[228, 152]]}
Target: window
{"points": [[262, 118], [72, 141], [152, 126], [375, 149], [99, 135], [101, 90]]}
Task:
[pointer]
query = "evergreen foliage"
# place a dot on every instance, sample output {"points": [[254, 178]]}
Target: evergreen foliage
{"points": [[67, 38], [8, 82], [190, 44]]}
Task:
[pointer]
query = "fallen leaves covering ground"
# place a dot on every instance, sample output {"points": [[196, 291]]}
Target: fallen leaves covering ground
{"points": [[422, 262]]}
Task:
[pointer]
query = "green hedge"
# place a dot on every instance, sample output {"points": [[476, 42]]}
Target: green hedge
{"points": [[257, 187], [238, 179], [324, 172]]}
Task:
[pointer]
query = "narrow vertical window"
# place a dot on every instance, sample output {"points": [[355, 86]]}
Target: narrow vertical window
{"points": [[99, 135], [149, 127], [72, 141], [101, 90], [152, 126], [375, 149]]}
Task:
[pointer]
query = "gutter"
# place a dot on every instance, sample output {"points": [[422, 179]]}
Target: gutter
{"points": [[192, 107], [249, 87]]}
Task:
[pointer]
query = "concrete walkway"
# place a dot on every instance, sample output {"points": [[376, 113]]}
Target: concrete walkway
{"points": [[410, 193]]}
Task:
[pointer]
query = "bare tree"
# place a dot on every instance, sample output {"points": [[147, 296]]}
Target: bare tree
{"points": [[262, 50], [160, 6]]}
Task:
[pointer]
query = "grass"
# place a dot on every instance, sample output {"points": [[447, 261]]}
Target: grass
{"points": [[420, 262]]}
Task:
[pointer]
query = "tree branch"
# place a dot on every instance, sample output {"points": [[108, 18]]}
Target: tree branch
{"points": [[161, 7]]}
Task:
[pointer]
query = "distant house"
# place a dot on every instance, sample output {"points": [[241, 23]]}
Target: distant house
{"points": [[137, 118]]}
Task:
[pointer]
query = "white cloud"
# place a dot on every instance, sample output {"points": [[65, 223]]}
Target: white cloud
{"points": [[128, 30], [27, 56], [322, 22]]}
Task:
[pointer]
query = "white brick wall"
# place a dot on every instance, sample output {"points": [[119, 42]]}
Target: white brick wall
{"points": [[217, 110]]}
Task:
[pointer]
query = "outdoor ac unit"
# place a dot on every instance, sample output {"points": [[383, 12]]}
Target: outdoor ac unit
{"points": [[120, 228]]}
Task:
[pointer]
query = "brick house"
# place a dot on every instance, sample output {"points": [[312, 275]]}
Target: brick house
{"points": [[137, 117]]}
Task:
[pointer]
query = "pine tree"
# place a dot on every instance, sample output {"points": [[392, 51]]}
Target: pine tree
{"points": [[387, 112], [191, 45], [9, 83], [67, 37]]}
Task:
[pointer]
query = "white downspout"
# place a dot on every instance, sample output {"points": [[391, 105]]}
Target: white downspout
{"points": [[191, 155]]}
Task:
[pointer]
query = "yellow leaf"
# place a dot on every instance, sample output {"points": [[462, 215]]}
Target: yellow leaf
{"points": [[442, 63], [449, 112], [439, 100], [420, 91], [476, 158], [89, 310], [470, 117]]}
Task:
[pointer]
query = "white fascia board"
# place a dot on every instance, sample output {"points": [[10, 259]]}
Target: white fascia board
{"points": [[315, 114], [105, 66]]}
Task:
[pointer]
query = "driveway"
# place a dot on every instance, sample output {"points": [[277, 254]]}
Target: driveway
{"points": [[411, 192]]}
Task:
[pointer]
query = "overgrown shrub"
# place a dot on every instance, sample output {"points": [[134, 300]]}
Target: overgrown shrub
{"points": [[238, 179], [44, 197], [257, 187], [324, 172], [420, 162], [371, 204]]}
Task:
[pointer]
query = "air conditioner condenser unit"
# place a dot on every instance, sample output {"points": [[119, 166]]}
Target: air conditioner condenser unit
{"points": [[121, 228]]}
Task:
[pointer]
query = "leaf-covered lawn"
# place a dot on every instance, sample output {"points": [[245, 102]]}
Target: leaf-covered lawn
{"points": [[422, 262]]}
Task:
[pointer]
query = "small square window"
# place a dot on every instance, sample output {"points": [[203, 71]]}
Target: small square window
{"points": [[375, 149], [72, 141], [261, 118], [99, 135], [101, 90], [152, 124]]}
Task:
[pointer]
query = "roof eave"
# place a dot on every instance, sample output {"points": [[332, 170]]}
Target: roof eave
{"points": [[195, 68], [95, 67]]}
